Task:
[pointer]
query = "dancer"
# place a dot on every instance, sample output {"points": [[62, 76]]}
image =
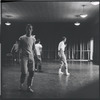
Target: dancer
{"points": [[38, 60], [15, 52], [27, 46], [62, 56]]}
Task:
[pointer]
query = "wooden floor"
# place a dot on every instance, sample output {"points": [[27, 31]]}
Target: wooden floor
{"points": [[82, 83]]}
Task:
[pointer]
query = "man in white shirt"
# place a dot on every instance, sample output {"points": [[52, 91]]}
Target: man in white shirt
{"points": [[27, 46], [38, 60], [62, 56]]}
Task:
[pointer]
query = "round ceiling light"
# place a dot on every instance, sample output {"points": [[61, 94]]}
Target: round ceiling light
{"points": [[7, 23], [83, 15], [77, 24]]}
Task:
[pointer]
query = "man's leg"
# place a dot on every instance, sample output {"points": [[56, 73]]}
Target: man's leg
{"points": [[61, 63], [66, 69], [60, 68], [31, 68], [35, 63], [24, 62], [66, 65], [39, 64], [30, 81]]}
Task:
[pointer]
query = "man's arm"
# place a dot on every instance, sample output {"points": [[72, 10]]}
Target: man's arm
{"points": [[34, 50], [12, 48], [19, 45], [66, 45], [61, 51], [40, 49]]}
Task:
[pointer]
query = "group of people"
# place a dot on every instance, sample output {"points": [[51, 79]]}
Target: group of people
{"points": [[30, 53], [16, 54]]}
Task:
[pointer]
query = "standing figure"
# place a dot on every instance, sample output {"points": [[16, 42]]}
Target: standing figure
{"points": [[27, 46], [62, 56], [38, 60], [15, 52]]}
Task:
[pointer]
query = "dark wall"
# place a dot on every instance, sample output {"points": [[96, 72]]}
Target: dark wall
{"points": [[95, 31], [50, 34], [0, 33]]}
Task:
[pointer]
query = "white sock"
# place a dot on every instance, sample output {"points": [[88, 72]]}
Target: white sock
{"points": [[60, 70], [67, 71]]}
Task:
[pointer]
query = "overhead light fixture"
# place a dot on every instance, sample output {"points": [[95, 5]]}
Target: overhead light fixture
{"points": [[7, 23], [95, 2], [83, 15], [76, 23]]}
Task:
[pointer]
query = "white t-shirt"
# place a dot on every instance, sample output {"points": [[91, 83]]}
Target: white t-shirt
{"points": [[38, 48], [27, 44], [61, 46]]}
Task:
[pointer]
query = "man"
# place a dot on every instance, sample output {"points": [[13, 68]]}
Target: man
{"points": [[15, 52], [27, 46], [62, 56], [38, 60]]}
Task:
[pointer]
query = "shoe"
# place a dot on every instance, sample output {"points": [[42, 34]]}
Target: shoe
{"points": [[30, 90], [60, 72], [67, 74]]}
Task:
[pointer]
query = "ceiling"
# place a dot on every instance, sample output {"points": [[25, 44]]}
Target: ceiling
{"points": [[48, 11]]}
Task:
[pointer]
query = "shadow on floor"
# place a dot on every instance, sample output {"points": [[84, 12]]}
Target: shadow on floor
{"points": [[89, 91]]}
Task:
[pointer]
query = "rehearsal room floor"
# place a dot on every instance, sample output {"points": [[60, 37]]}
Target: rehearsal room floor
{"points": [[83, 81]]}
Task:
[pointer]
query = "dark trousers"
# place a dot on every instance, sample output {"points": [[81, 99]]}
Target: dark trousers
{"points": [[38, 63]]}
